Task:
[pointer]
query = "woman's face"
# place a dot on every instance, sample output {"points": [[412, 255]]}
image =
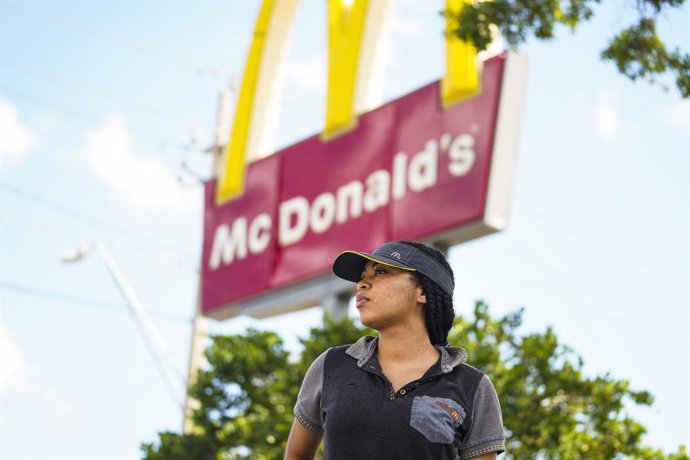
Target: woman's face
{"points": [[387, 296]]}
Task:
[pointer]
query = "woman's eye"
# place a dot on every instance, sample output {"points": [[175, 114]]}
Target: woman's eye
{"points": [[379, 271]]}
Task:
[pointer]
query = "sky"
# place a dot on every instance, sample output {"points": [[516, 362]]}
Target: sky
{"points": [[106, 109]]}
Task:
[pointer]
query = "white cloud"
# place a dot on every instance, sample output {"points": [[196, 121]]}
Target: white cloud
{"points": [[606, 115], [16, 140], [15, 370], [146, 182], [679, 115], [19, 379]]}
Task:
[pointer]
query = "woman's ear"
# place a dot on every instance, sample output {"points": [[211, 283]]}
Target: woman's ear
{"points": [[421, 297]]}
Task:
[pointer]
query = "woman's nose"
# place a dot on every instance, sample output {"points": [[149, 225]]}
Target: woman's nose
{"points": [[363, 284]]}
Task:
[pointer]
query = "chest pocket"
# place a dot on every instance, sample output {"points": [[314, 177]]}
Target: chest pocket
{"points": [[436, 418]]}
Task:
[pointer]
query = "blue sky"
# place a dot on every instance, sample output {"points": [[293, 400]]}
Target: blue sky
{"points": [[101, 103]]}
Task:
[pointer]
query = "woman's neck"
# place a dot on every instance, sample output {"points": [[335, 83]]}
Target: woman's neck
{"points": [[405, 345]]}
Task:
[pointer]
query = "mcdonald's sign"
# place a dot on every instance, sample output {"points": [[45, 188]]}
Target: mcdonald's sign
{"points": [[435, 164]]}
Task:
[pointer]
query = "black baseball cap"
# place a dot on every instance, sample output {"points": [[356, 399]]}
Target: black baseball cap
{"points": [[349, 265]]}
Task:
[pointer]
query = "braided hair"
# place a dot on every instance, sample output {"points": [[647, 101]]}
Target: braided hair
{"points": [[438, 310]]}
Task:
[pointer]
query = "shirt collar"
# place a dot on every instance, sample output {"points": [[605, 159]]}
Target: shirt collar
{"points": [[364, 348]]}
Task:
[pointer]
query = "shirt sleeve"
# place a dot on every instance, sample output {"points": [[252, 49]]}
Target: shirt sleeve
{"points": [[486, 432], [308, 407]]}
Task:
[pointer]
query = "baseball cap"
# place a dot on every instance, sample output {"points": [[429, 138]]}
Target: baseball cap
{"points": [[349, 265]]}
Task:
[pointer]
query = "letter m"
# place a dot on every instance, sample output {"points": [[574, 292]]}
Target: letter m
{"points": [[229, 244]]}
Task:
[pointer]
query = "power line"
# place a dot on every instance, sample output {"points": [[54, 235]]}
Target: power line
{"points": [[608, 246], [83, 87], [72, 300], [81, 114], [569, 275], [592, 286], [84, 301], [593, 310], [19, 192], [113, 38], [131, 245]]}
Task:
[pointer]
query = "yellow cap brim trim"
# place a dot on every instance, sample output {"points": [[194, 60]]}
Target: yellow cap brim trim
{"points": [[368, 257]]}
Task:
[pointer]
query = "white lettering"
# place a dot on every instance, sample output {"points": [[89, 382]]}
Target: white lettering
{"points": [[446, 139], [378, 188], [297, 216], [351, 192], [423, 168], [259, 233], [462, 156], [322, 213], [289, 232], [399, 168], [227, 244]]}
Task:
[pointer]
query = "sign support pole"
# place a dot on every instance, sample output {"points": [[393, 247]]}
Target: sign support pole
{"points": [[336, 305], [196, 357], [200, 322]]}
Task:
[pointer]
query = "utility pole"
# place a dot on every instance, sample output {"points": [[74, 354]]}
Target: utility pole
{"points": [[200, 323], [153, 339], [196, 356], [336, 305]]}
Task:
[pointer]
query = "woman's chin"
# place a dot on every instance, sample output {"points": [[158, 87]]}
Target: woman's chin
{"points": [[368, 321]]}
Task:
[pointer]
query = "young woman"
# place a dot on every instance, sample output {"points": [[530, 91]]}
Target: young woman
{"points": [[404, 394]]}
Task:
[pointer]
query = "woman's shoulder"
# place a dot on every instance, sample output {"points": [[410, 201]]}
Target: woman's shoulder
{"points": [[361, 351], [457, 368], [363, 346]]}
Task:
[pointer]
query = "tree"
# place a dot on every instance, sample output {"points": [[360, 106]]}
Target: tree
{"points": [[550, 408], [246, 395], [637, 51]]}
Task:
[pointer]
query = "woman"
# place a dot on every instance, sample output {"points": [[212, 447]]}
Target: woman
{"points": [[405, 394]]}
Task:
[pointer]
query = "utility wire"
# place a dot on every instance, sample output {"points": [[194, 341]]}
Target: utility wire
{"points": [[592, 310], [83, 87], [24, 194], [124, 308], [154, 340], [591, 285], [123, 41], [593, 240], [620, 297], [81, 114], [84, 301], [73, 300], [127, 243]]}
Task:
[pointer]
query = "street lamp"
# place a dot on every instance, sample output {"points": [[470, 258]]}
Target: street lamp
{"points": [[154, 340]]}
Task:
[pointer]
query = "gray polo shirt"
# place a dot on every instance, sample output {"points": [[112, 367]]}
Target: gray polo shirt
{"points": [[451, 412]]}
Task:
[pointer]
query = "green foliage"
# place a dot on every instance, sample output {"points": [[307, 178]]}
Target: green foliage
{"points": [[550, 408], [246, 395], [637, 51], [173, 446]]}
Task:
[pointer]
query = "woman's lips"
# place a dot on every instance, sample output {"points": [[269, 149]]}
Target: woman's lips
{"points": [[361, 300]]}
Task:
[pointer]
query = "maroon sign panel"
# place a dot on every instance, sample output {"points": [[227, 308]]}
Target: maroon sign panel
{"points": [[409, 170]]}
